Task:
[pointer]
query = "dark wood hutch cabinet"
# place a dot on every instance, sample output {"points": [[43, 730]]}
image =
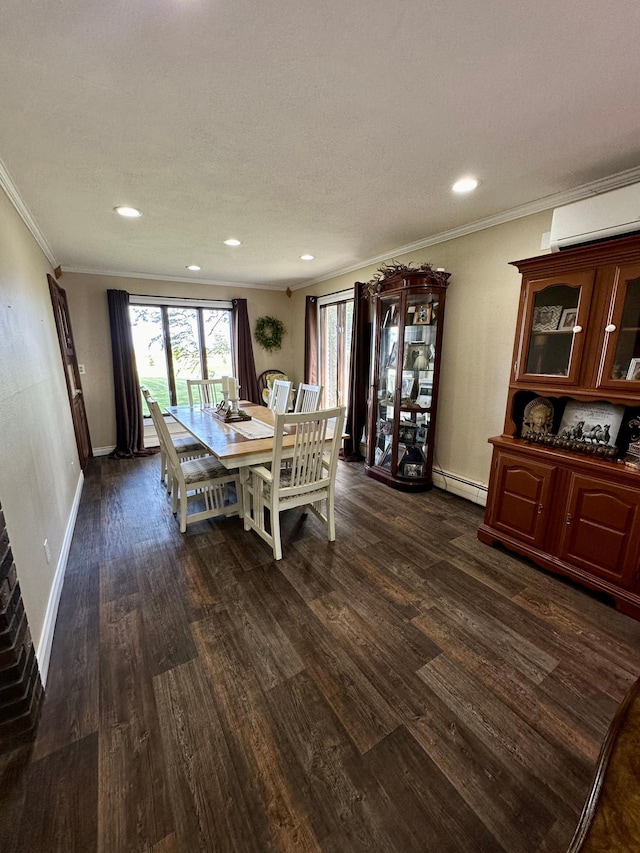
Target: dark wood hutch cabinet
{"points": [[564, 499], [408, 321]]}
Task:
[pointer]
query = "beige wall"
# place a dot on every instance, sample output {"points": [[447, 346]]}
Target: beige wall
{"points": [[39, 470], [87, 297], [482, 305]]}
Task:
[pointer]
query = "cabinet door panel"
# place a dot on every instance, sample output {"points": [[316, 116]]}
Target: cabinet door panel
{"points": [[602, 530], [554, 315], [620, 346], [522, 495]]}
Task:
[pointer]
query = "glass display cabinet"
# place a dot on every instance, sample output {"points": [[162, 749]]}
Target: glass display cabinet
{"points": [[408, 323], [564, 488]]}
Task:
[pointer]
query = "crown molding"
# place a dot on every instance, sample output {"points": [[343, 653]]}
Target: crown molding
{"points": [[613, 182], [159, 277], [7, 184], [620, 179]]}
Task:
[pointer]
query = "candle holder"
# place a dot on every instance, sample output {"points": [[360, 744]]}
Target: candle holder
{"points": [[228, 411]]}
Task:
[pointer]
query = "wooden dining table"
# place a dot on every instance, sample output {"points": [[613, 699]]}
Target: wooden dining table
{"points": [[226, 443]]}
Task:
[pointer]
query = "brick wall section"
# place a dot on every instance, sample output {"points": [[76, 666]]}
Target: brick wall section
{"points": [[20, 686]]}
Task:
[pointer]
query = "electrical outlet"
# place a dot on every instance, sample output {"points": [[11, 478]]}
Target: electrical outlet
{"points": [[47, 550], [81, 369]]}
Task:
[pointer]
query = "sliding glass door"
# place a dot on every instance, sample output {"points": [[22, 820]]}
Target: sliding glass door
{"points": [[335, 319], [174, 343]]}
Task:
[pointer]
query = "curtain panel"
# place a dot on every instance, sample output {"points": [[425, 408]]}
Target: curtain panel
{"points": [[244, 363], [311, 372], [359, 373], [129, 416]]}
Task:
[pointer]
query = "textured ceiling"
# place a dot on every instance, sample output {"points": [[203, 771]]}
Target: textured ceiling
{"points": [[324, 127]]}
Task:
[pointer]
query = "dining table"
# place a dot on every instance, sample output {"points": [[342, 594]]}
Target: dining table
{"points": [[237, 444]]}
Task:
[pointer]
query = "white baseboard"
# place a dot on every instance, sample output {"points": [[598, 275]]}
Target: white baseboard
{"points": [[475, 492], [103, 451], [43, 651]]}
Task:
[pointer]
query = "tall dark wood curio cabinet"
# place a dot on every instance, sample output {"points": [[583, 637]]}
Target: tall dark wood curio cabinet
{"points": [[565, 491], [403, 395]]}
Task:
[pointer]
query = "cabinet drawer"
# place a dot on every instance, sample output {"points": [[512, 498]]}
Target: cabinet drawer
{"points": [[601, 533], [522, 495]]}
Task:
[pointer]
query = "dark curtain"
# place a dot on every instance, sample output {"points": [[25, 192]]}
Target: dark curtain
{"points": [[245, 366], [311, 341], [129, 417], [359, 374]]}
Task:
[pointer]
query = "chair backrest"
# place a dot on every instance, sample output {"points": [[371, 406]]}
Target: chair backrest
{"points": [[265, 383], [209, 391], [162, 430], [280, 393], [307, 398], [313, 461]]}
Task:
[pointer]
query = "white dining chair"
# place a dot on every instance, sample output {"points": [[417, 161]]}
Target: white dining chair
{"points": [[280, 396], [187, 447], [204, 479], [208, 391], [307, 398], [307, 480]]}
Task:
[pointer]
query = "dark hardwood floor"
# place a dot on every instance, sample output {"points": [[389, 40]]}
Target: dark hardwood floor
{"points": [[403, 689]]}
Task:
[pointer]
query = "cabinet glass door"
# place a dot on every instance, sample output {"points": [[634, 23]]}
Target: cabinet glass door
{"points": [[417, 384], [387, 371], [622, 334], [555, 314]]}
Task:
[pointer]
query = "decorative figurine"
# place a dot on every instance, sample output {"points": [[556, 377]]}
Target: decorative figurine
{"points": [[538, 418]]}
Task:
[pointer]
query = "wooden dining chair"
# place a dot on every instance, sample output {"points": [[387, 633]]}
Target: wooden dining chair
{"points": [[280, 396], [307, 398], [307, 480], [208, 391], [187, 447], [204, 479]]}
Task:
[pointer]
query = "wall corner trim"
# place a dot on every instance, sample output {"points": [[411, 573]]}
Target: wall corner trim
{"points": [[43, 651]]}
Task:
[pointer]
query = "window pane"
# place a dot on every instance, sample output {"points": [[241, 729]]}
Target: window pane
{"points": [[335, 351], [217, 342], [148, 344], [185, 351]]}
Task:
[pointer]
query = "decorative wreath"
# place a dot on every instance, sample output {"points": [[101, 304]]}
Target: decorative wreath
{"points": [[270, 332]]}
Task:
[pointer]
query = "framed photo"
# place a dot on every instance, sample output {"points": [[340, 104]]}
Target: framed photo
{"points": [[633, 372], [408, 383], [407, 432], [424, 314], [568, 319], [417, 356], [591, 423], [393, 356], [424, 395], [413, 469], [546, 318], [385, 462]]}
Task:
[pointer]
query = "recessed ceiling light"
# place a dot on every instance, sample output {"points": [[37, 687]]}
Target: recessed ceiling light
{"points": [[232, 242], [194, 267], [130, 212], [306, 257], [465, 185]]}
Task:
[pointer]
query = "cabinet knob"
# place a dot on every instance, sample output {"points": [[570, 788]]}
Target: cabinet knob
{"points": [[539, 508], [610, 328], [576, 330], [568, 518]]}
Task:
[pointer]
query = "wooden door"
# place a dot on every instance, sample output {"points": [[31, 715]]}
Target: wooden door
{"points": [[521, 497], [71, 372], [602, 529]]}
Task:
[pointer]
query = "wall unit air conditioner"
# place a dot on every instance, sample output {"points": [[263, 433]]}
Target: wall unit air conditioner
{"points": [[597, 218]]}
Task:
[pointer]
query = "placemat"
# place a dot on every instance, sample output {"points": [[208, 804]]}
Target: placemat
{"points": [[252, 429]]}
